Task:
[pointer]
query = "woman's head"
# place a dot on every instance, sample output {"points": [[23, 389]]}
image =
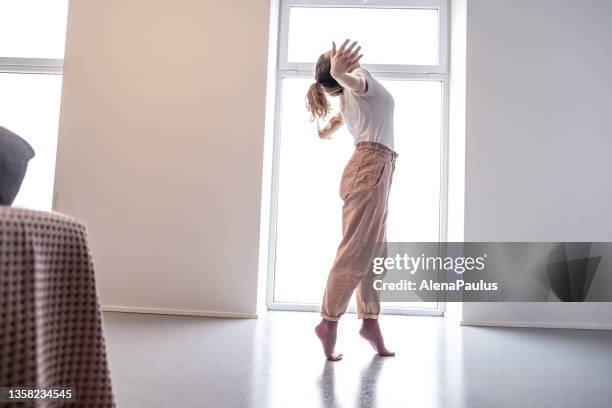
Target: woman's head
{"points": [[316, 100]]}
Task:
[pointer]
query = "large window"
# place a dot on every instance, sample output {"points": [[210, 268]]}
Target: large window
{"points": [[31, 59], [405, 47]]}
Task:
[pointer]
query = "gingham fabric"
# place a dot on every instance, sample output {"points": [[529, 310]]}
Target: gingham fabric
{"points": [[50, 320]]}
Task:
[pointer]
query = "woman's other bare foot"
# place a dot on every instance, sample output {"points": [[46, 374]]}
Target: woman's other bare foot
{"points": [[370, 330], [326, 332]]}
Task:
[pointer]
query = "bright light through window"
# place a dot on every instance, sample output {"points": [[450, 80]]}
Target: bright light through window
{"points": [[29, 106], [309, 222], [387, 36], [33, 28], [32, 36]]}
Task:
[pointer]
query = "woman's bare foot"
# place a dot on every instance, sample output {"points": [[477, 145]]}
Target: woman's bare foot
{"points": [[326, 331], [370, 330]]}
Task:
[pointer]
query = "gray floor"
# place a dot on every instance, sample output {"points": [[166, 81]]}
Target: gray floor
{"points": [[169, 361]]}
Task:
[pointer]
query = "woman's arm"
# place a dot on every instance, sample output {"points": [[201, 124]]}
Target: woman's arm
{"points": [[343, 61], [330, 127]]}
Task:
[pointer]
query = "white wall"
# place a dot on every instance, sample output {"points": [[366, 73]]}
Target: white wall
{"points": [[160, 149], [538, 137]]}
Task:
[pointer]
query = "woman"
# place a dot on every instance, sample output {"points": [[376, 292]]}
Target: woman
{"points": [[366, 108]]}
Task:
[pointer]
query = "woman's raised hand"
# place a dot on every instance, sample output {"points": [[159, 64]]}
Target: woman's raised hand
{"points": [[330, 127], [344, 60]]}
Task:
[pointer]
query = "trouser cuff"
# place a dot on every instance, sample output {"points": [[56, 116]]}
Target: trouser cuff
{"points": [[330, 318]]}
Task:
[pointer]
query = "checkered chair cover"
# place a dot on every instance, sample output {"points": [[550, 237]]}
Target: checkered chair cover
{"points": [[51, 332]]}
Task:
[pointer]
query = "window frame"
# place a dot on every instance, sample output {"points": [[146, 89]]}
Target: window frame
{"points": [[285, 69], [49, 66]]}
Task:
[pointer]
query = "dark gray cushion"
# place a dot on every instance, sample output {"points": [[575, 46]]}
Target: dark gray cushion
{"points": [[15, 153]]}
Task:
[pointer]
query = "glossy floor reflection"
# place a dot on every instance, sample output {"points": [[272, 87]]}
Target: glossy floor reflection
{"points": [[171, 361]]}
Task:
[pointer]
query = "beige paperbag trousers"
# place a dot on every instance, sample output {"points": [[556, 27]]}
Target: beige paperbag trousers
{"points": [[365, 186]]}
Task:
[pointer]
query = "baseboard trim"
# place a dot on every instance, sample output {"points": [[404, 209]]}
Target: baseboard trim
{"points": [[177, 312], [541, 325]]}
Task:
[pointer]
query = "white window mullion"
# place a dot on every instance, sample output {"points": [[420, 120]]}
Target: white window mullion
{"points": [[292, 73], [31, 65], [365, 4]]}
